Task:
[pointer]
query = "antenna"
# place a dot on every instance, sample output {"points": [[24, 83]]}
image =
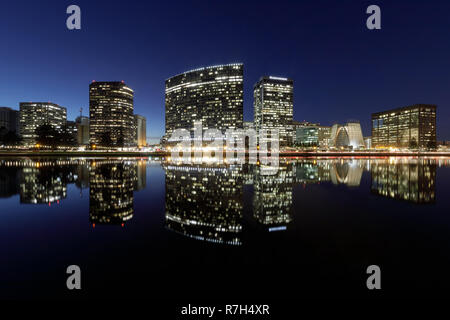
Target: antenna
{"points": [[81, 111]]}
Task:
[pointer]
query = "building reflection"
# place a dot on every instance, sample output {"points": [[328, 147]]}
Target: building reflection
{"points": [[337, 171], [405, 179], [272, 202], [111, 198], [205, 202]]}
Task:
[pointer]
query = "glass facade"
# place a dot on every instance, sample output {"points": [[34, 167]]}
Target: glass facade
{"points": [[213, 96], [274, 107], [35, 114], [111, 114], [409, 127]]}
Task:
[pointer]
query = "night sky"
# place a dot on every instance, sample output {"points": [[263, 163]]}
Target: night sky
{"points": [[341, 70]]}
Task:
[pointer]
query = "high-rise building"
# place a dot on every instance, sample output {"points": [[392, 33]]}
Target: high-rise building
{"points": [[140, 125], [274, 107], [409, 127], [9, 119], [213, 95], [82, 124], [35, 114], [111, 114]]}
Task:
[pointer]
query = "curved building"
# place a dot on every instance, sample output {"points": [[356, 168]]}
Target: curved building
{"points": [[213, 95], [349, 135]]}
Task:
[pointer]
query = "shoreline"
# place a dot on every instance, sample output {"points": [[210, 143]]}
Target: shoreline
{"points": [[300, 154]]}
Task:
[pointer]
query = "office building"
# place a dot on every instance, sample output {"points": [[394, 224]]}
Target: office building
{"points": [[111, 121], [140, 125], [312, 135], [210, 95], [32, 115], [274, 108], [409, 127]]}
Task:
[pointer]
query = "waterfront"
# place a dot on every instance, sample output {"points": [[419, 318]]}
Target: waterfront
{"points": [[142, 227]]}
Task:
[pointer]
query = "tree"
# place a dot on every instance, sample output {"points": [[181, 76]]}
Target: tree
{"points": [[11, 138], [47, 135], [66, 138]]}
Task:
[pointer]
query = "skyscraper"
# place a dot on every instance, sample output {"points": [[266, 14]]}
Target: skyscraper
{"points": [[140, 125], [35, 114], [274, 107], [212, 95], [111, 114], [408, 127]]}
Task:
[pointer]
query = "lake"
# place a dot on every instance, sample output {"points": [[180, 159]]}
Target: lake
{"points": [[148, 227]]}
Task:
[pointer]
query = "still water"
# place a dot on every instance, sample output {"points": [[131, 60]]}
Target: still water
{"points": [[145, 227]]}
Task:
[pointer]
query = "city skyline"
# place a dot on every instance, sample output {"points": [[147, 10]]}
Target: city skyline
{"points": [[349, 73]]}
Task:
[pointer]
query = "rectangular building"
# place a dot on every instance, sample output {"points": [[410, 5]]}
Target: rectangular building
{"points": [[35, 114], [274, 107], [140, 124], [312, 135], [111, 114], [82, 124], [409, 127]]}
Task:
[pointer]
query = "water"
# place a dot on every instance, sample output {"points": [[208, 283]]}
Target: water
{"points": [[147, 227]]}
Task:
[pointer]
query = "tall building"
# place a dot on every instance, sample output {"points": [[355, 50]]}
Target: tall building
{"points": [[111, 114], [140, 124], [213, 95], [9, 119], [347, 136], [35, 114], [274, 107], [82, 124], [409, 127]]}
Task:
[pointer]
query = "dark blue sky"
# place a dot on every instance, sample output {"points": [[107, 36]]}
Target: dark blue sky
{"points": [[341, 70]]}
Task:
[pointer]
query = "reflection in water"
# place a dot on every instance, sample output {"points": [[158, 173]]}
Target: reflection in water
{"points": [[207, 201], [111, 199], [412, 179], [272, 202]]}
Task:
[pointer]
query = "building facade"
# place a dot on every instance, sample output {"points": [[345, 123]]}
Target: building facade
{"points": [[9, 119], [111, 120], [140, 124], [347, 136], [274, 107], [32, 115], [312, 135], [213, 96], [409, 127]]}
